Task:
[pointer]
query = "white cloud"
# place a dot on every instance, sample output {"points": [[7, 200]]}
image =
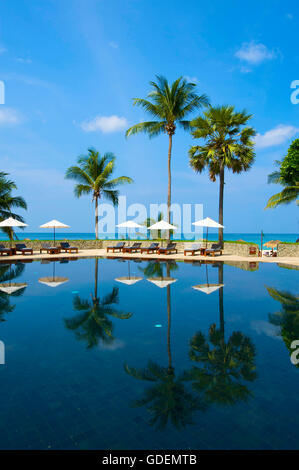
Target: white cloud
{"points": [[113, 44], [254, 53], [289, 16], [2, 49], [21, 60], [105, 124], [263, 327], [276, 136], [9, 116], [191, 79]]}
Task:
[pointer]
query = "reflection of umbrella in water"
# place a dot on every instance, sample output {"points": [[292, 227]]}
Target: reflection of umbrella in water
{"points": [[128, 280], [13, 287], [208, 288], [162, 281], [53, 281]]}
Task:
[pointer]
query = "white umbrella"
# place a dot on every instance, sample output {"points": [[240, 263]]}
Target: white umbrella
{"points": [[207, 222], [128, 280], [129, 224], [162, 281], [11, 288], [53, 281], [11, 222], [162, 225], [54, 224], [208, 288]]}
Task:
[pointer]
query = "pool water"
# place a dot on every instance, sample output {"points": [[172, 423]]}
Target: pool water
{"points": [[111, 354]]}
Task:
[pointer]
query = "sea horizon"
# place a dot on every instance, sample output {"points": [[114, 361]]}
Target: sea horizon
{"points": [[251, 237]]}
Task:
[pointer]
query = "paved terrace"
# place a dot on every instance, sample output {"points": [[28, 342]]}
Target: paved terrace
{"points": [[90, 253]]}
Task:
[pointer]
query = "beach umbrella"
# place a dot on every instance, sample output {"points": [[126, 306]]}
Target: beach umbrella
{"points": [[162, 225], [207, 288], [53, 281], [12, 287], [11, 222], [128, 280], [207, 222], [54, 224], [272, 244], [129, 224], [162, 281]]}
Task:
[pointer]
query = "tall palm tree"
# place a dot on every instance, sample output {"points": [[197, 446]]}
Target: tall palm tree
{"points": [[224, 365], [288, 318], [8, 202], [169, 105], [93, 174], [93, 323], [168, 399], [226, 144]]}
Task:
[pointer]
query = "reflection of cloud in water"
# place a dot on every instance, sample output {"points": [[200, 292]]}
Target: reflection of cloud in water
{"points": [[117, 344], [263, 327]]}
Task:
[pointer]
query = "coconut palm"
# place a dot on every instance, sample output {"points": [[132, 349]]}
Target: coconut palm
{"points": [[227, 144], [287, 176], [93, 174], [93, 323], [288, 318], [169, 105], [8, 202], [224, 365]]}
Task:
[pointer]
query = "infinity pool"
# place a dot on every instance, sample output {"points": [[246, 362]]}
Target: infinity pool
{"points": [[112, 354]]}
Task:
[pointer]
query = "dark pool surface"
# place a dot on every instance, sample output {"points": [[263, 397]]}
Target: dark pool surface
{"points": [[138, 364]]}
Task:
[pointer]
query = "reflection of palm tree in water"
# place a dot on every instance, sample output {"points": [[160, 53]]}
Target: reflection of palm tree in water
{"points": [[93, 323], [168, 399], [224, 366], [7, 274], [288, 318]]}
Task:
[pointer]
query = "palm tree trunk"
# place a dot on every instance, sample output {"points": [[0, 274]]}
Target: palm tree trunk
{"points": [[169, 183], [96, 275], [96, 217], [221, 308], [221, 191], [170, 369]]}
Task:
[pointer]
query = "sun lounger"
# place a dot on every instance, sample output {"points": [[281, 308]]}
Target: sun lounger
{"points": [[46, 247], [67, 248], [5, 251], [153, 248], [215, 248], [118, 247], [23, 249], [132, 249], [193, 249], [170, 248]]}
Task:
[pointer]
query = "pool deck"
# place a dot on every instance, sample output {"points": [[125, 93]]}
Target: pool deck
{"points": [[294, 261]]}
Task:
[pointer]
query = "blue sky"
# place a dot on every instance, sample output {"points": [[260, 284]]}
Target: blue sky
{"points": [[71, 69]]}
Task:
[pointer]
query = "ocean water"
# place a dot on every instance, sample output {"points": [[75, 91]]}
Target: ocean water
{"points": [[114, 354], [247, 237]]}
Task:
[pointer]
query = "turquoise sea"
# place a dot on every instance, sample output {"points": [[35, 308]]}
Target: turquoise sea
{"points": [[247, 237]]}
